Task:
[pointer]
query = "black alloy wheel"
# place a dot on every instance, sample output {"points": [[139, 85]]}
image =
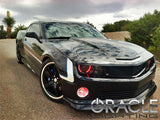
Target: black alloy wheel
{"points": [[50, 81]]}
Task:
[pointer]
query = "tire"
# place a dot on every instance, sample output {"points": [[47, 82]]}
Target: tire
{"points": [[50, 81], [19, 57]]}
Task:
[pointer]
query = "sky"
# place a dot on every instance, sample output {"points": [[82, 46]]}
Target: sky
{"points": [[98, 12]]}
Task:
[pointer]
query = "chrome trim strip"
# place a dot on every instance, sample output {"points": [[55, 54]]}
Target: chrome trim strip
{"points": [[69, 71], [139, 73], [33, 55]]}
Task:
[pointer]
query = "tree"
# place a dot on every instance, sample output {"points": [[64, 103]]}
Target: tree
{"points": [[9, 22], [108, 28], [120, 24], [155, 48], [143, 29], [3, 33], [91, 24], [16, 29], [117, 26]]}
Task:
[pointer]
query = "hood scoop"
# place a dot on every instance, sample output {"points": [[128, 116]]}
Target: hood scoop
{"points": [[127, 58]]}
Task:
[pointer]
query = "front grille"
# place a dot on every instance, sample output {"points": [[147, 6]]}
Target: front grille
{"points": [[122, 71], [123, 94]]}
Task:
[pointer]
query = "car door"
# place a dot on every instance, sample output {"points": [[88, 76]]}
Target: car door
{"points": [[33, 50]]}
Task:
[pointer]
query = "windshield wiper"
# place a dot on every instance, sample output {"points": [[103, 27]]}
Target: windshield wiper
{"points": [[60, 37]]}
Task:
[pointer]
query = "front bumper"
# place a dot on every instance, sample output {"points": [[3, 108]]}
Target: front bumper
{"points": [[138, 88], [86, 104]]}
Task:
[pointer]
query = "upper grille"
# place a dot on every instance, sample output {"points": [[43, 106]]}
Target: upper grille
{"points": [[122, 71]]}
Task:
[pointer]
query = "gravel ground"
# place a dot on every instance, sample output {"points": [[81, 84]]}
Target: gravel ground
{"points": [[21, 97]]}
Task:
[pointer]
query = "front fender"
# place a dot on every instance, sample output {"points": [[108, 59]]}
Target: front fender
{"points": [[57, 57]]}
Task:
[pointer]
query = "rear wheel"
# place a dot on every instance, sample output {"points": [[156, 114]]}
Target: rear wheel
{"points": [[19, 57], [50, 81]]}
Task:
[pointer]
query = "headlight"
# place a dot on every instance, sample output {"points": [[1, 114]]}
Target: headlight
{"points": [[85, 70]]}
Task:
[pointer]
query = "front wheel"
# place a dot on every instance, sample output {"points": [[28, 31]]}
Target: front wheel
{"points": [[50, 81]]}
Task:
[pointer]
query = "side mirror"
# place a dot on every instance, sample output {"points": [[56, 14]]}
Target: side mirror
{"points": [[32, 35]]}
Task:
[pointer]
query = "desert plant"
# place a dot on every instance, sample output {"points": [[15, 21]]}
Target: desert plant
{"points": [[16, 29], [9, 22]]}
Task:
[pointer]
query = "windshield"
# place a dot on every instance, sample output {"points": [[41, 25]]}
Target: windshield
{"points": [[77, 30]]}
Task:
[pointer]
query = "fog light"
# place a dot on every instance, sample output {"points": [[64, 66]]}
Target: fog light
{"points": [[82, 92]]}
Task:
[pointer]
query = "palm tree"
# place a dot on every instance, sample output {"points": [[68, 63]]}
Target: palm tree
{"points": [[9, 22]]}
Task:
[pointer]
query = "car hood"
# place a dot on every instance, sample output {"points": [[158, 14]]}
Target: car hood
{"points": [[89, 50]]}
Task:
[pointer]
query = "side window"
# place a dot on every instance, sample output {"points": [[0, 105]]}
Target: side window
{"points": [[30, 28], [34, 28]]}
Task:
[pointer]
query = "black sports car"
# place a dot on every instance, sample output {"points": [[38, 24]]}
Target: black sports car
{"points": [[77, 63]]}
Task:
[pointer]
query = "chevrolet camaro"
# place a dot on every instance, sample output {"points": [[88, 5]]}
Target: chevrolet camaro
{"points": [[76, 63]]}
